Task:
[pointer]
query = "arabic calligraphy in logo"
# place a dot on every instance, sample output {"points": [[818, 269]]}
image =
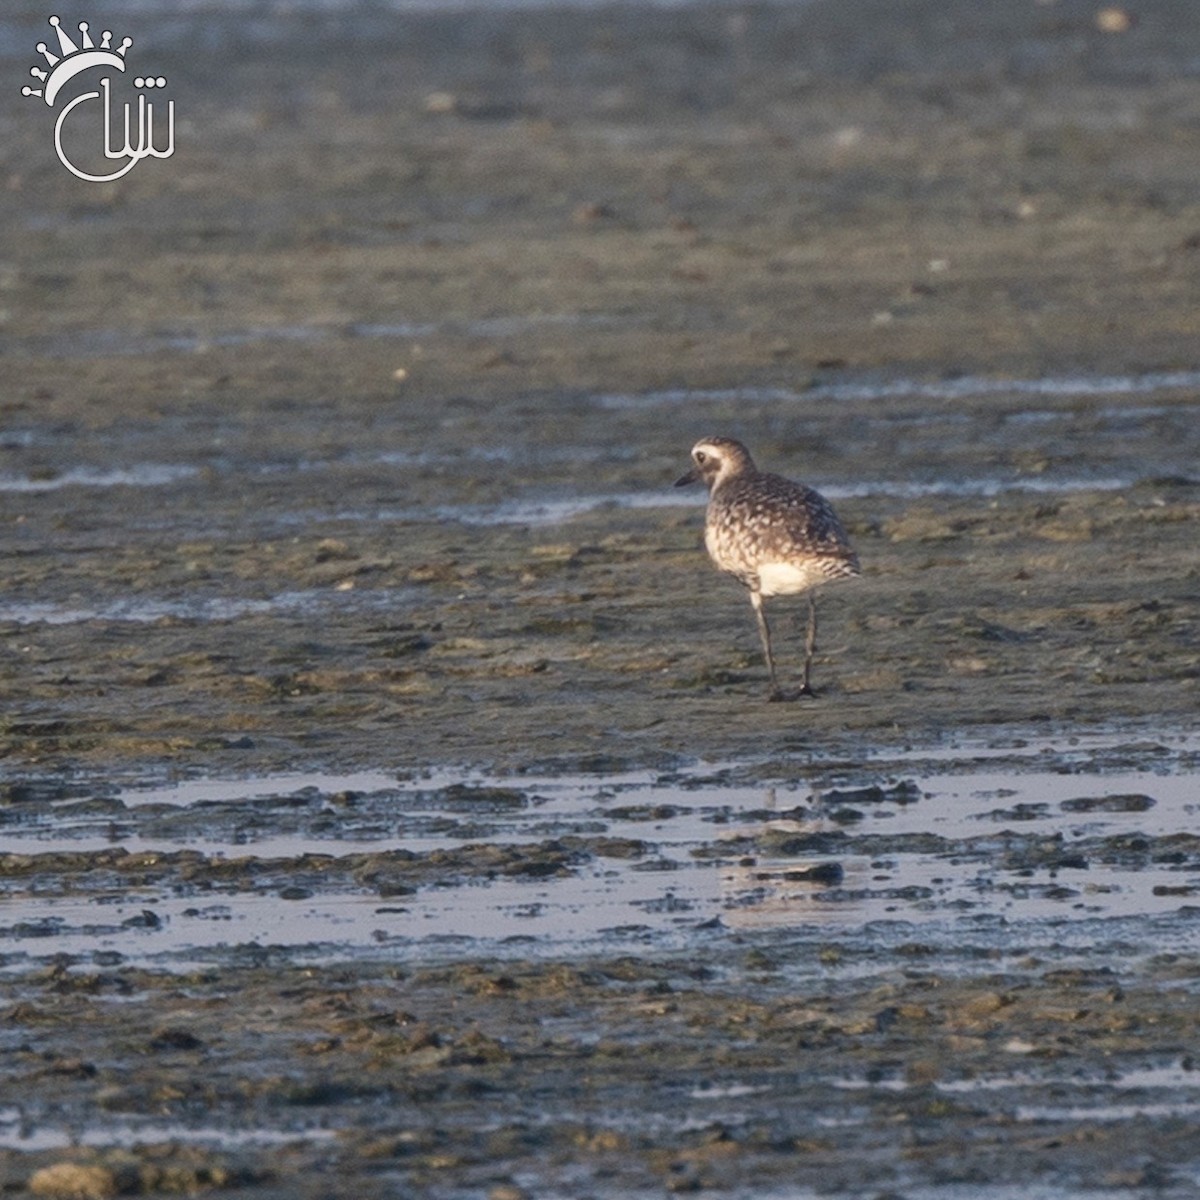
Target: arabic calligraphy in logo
{"points": [[138, 141]]}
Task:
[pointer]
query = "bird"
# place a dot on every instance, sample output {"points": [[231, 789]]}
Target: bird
{"points": [[775, 536]]}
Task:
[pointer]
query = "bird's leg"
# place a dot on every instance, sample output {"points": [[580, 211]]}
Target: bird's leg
{"points": [[764, 632], [810, 645]]}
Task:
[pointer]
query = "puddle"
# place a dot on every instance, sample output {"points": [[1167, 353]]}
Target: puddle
{"points": [[137, 475], [971, 1191], [548, 510], [1101, 750], [1171, 1091], [939, 1191], [206, 791], [15, 1135], [142, 609], [1082, 835], [559, 510], [532, 511], [968, 386], [560, 464]]}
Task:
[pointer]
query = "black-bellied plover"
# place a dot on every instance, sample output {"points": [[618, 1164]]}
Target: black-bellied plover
{"points": [[776, 536]]}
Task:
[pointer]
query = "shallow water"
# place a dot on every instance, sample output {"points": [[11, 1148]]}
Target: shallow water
{"points": [[964, 387], [547, 483], [1023, 838], [14, 1134], [147, 475], [143, 609], [551, 511]]}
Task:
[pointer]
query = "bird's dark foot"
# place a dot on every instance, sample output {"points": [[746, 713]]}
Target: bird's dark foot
{"points": [[806, 691], [778, 695]]}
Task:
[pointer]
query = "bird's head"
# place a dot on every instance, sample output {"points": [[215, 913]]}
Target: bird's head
{"points": [[716, 460]]}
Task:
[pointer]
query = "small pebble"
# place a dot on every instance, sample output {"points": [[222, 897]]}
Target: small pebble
{"points": [[507, 1191], [1113, 20], [590, 211], [73, 1181]]}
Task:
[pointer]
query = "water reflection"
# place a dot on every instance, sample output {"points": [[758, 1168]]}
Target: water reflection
{"points": [[766, 889], [1090, 832]]}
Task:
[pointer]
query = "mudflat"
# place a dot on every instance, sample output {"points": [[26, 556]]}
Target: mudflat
{"points": [[340, 442]]}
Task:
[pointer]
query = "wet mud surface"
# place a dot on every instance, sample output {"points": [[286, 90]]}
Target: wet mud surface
{"points": [[972, 968], [389, 802]]}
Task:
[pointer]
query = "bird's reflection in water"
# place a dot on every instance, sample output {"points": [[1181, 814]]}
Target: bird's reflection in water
{"points": [[784, 877]]}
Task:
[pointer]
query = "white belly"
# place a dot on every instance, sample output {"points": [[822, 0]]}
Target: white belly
{"points": [[782, 578]]}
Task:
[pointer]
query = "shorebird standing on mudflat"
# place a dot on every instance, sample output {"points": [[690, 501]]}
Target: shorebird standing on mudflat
{"points": [[775, 536]]}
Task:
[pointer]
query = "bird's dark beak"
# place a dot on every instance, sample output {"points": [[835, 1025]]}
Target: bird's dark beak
{"points": [[684, 480]]}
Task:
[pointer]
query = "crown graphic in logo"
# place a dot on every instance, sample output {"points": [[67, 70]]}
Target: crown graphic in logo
{"points": [[73, 59]]}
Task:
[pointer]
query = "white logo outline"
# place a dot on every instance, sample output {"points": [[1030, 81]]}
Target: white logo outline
{"points": [[75, 59]]}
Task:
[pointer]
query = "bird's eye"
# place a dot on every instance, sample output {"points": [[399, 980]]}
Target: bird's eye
{"points": [[701, 457]]}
